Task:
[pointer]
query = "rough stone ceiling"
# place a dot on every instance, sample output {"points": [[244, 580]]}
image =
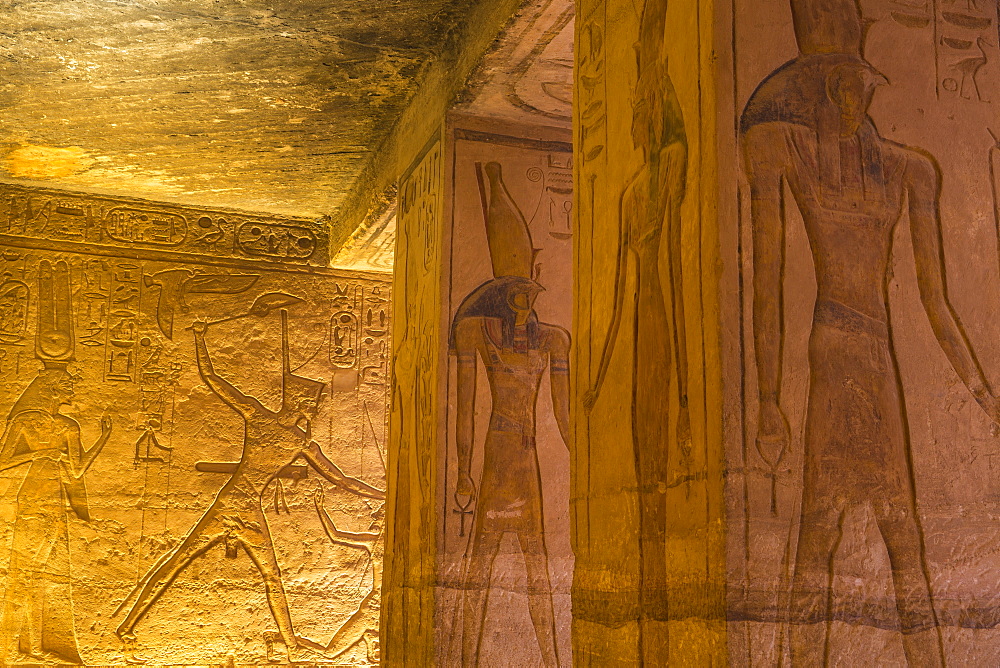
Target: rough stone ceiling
{"points": [[267, 106]]}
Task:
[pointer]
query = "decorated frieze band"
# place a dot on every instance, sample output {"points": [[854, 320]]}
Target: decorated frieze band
{"points": [[134, 223]]}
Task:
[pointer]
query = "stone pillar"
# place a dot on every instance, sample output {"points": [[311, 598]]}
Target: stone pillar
{"points": [[557, 386], [415, 428], [647, 493], [480, 563], [484, 229]]}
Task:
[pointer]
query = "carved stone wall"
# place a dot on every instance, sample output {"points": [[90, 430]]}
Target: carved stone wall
{"points": [[137, 224], [505, 562], [860, 246], [192, 467]]}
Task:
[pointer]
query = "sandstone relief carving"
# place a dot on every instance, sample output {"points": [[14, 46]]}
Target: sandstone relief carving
{"points": [[647, 522], [650, 215], [497, 324], [508, 439], [541, 82], [839, 427], [363, 624], [411, 509], [211, 394], [38, 605], [53, 214], [176, 284], [273, 440]]}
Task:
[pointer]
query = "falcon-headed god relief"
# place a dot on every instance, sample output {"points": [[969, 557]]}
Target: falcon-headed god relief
{"points": [[806, 130], [497, 325]]}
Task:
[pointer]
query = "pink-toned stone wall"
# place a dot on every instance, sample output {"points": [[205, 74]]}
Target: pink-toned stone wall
{"points": [[882, 488], [477, 607]]}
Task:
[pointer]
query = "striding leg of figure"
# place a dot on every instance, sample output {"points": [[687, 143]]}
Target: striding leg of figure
{"points": [[477, 582], [256, 540], [206, 534], [540, 595]]}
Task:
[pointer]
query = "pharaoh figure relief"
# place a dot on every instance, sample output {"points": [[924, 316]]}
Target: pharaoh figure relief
{"points": [[273, 440], [810, 147]]}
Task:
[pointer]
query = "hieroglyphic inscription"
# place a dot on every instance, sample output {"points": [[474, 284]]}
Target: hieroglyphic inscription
{"points": [[123, 322], [157, 379], [176, 372], [344, 330], [89, 218], [359, 332], [94, 307], [13, 309], [963, 34], [139, 226], [592, 115], [375, 337], [556, 204], [276, 241]]}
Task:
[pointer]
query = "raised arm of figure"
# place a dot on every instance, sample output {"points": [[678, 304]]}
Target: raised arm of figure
{"points": [[618, 307], [923, 183], [360, 540], [235, 399], [468, 334], [326, 468], [83, 459]]}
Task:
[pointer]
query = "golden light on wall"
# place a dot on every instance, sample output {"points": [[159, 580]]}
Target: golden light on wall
{"points": [[192, 465]]}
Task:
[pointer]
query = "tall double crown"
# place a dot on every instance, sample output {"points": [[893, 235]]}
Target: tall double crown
{"points": [[511, 250]]}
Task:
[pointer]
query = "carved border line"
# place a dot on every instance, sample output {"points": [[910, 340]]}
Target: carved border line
{"points": [[85, 248]]}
